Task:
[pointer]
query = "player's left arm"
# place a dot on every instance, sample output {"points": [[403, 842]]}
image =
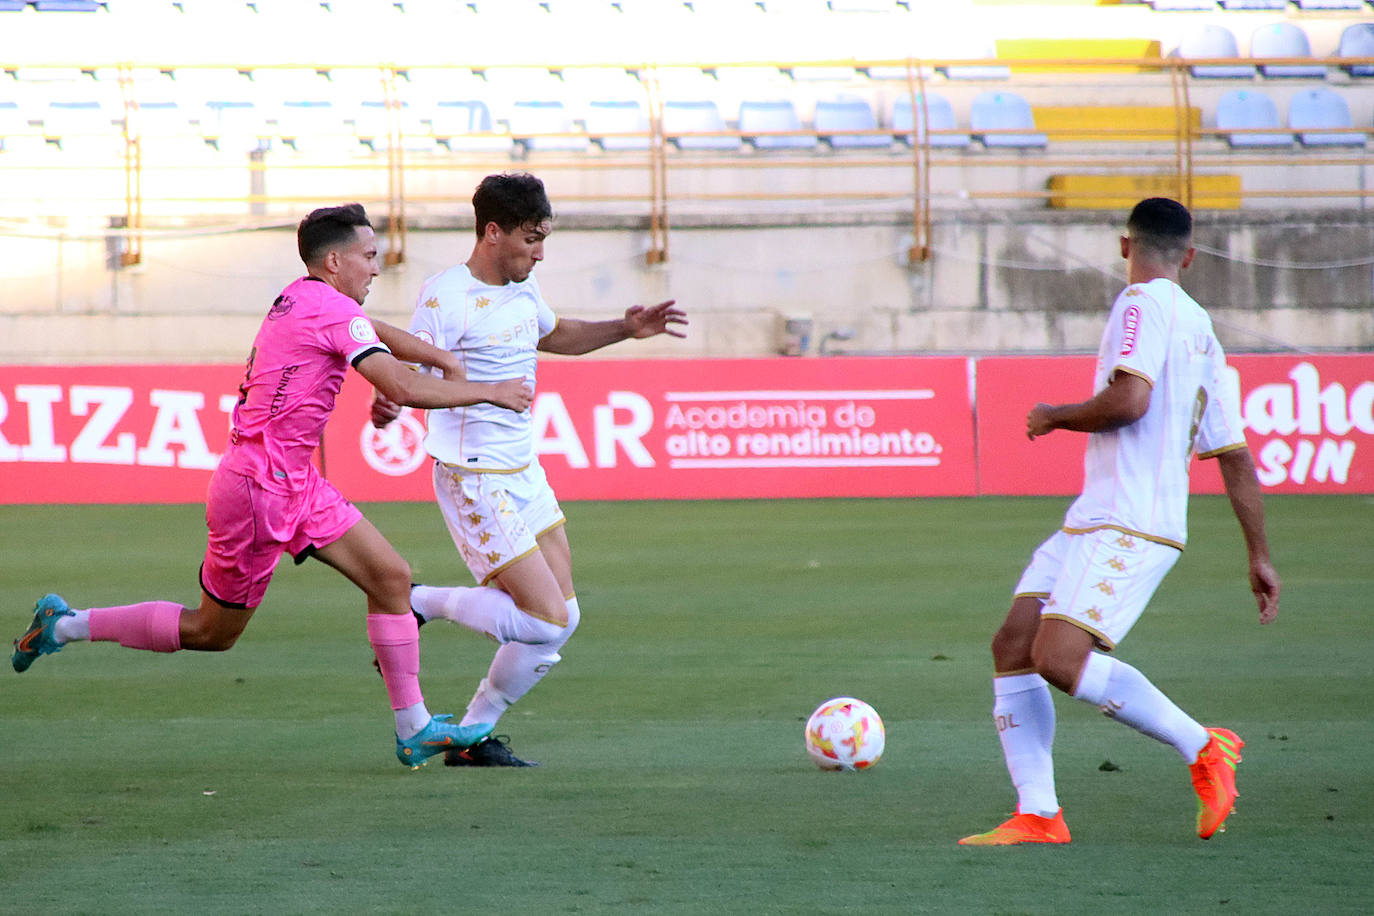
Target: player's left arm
{"points": [[1237, 467], [573, 337], [1121, 403]]}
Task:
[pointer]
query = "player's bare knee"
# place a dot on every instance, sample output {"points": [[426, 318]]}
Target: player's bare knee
{"points": [[1011, 649], [552, 612], [391, 586]]}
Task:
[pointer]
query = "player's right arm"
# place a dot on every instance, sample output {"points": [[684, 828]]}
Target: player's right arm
{"points": [[1247, 501], [399, 383], [1121, 403]]}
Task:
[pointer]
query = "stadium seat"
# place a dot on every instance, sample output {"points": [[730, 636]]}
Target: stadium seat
{"points": [[1213, 41], [1174, 5], [313, 125], [536, 125], [1314, 110], [607, 117], [372, 126], [465, 125], [1357, 41], [940, 113], [1284, 39], [1254, 4], [77, 121], [986, 50], [697, 124], [761, 116], [235, 125], [1247, 109], [15, 133], [12, 6], [1004, 111], [1330, 4], [838, 122], [67, 6]]}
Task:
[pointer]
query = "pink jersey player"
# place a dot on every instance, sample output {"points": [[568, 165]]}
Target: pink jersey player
{"points": [[266, 498]]}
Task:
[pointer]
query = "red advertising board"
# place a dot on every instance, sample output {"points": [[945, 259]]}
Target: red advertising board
{"points": [[112, 434], [844, 426], [1309, 422], [689, 429]]}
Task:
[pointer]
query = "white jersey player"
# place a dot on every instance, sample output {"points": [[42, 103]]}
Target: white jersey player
{"points": [[498, 506], [1162, 393]]}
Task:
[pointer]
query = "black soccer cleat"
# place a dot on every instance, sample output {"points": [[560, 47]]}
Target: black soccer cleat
{"points": [[492, 751]]}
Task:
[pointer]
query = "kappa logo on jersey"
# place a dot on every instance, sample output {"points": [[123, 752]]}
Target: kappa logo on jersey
{"points": [[1130, 325], [361, 330], [396, 449]]}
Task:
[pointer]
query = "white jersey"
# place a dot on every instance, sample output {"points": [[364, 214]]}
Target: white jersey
{"points": [[1136, 478], [494, 331]]}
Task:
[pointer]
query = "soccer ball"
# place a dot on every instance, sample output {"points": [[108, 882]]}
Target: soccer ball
{"points": [[845, 734]]}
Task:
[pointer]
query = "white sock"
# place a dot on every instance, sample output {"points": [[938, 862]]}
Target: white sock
{"points": [[75, 628], [1024, 712], [488, 611], [1124, 694], [515, 670], [411, 720]]}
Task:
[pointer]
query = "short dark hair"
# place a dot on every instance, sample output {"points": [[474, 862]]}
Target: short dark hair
{"points": [[510, 200], [1161, 224], [328, 228]]}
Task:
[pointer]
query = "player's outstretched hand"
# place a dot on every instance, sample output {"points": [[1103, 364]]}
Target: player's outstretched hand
{"points": [[384, 410], [655, 319], [512, 394], [1264, 582]]}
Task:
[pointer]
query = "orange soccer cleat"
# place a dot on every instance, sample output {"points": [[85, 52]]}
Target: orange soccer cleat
{"points": [[1214, 780], [1023, 828]]}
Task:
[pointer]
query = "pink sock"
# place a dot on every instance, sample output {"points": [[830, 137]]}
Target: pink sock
{"points": [[396, 640], [152, 625]]}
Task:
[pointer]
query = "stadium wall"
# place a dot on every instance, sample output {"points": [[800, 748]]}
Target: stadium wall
{"points": [[996, 282]]}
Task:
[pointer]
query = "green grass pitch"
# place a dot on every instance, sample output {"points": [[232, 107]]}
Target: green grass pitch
{"points": [[262, 780]]}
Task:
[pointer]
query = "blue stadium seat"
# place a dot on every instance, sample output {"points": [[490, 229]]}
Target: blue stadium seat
{"points": [[1330, 4], [312, 124], [607, 117], [1004, 111], [1247, 109], [698, 124], [235, 125], [67, 6], [529, 118], [465, 125], [940, 113], [1254, 4], [12, 6], [1284, 39], [1357, 41], [1314, 110], [1212, 40], [838, 122], [372, 126], [986, 50], [763, 115]]}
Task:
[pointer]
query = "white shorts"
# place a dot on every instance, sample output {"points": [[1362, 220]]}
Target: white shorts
{"points": [[495, 518], [1100, 580]]}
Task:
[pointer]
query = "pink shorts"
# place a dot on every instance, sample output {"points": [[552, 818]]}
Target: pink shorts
{"points": [[250, 528]]}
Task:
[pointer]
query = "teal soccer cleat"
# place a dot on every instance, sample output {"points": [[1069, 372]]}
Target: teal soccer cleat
{"points": [[437, 736], [38, 639]]}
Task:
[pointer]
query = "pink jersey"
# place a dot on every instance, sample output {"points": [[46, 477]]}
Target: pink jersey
{"points": [[311, 335]]}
